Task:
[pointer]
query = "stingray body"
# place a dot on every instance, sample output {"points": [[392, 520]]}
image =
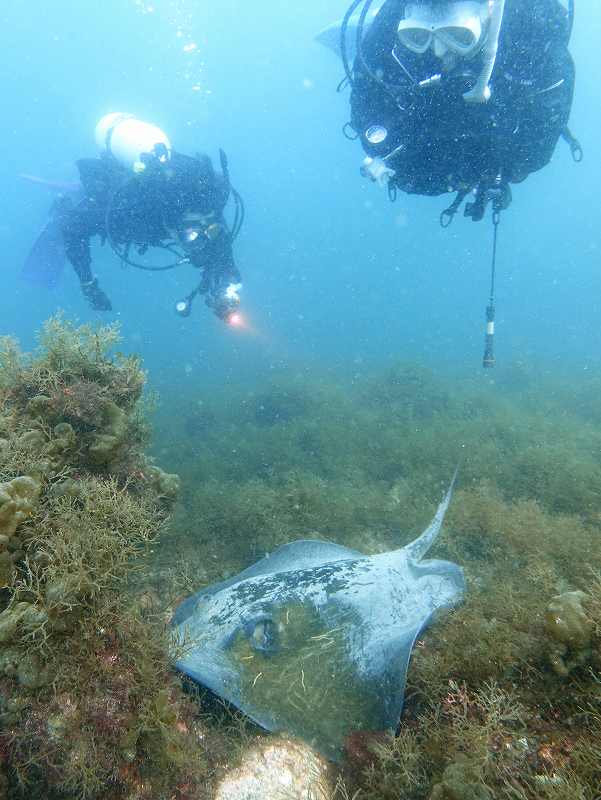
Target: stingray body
{"points": [[315, 639]]}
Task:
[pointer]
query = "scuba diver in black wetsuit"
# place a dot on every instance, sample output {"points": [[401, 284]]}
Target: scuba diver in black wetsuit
{"points": [[459, 95], [140, 193], [464, 96]]}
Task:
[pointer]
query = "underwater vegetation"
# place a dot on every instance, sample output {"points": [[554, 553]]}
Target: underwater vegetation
{"points": [[88, 705], [504, 695], [97, 545]]}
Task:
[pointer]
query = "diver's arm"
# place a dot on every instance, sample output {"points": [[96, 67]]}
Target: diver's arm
{"points": [[78, 225], [221, 281]]}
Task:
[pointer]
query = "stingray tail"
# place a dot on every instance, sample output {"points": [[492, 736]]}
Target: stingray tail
{"points": [[418, 549]]}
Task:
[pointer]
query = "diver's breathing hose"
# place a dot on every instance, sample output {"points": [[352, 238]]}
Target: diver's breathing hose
{"points": [[488, 360], [123, 254], [359, 44], [239, 210], [361, 55], [343, 31], [239, 214]]}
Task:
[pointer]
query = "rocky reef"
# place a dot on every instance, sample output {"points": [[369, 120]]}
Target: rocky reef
{"points": [[503, 698], [88, 706]]}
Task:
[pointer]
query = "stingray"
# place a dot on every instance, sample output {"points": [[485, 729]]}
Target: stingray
{"points": [[330, 36], [315, 639]]}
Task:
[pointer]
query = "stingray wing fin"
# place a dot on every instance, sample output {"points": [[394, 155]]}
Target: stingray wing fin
{"points": [[302, 554], [330, 36]]}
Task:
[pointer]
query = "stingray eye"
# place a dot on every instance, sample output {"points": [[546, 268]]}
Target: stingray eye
{"points": [[263, 635]]}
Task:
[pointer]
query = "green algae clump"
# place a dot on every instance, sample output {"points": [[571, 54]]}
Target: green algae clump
{"points": [[570, 631], [18, 498], [460, 782], [111, 437]]}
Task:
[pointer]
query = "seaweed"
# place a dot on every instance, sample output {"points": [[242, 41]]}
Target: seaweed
{"points": [[502, 700], [89, 707]]}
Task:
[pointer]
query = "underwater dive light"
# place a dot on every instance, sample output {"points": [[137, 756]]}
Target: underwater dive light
{"points": [[235, 320], [489, 353], [183, 307]]}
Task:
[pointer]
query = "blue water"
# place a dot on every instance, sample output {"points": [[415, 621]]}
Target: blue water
{"points": [[334, 275]]}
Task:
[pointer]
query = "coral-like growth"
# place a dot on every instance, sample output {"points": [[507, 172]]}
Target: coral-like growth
{"points": [[18, 499], [460, 781], [570, 631], [88, 705]]}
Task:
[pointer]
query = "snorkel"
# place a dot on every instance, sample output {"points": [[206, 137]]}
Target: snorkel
{"points": [[480, 92]]}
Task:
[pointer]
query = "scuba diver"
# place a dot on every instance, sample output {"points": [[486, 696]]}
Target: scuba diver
{"points": [[465, 96], [140, 193]]}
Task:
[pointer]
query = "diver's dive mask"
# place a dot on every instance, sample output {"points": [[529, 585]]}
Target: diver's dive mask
{"points": [[195, 233], [192, 237], [457, 27]]}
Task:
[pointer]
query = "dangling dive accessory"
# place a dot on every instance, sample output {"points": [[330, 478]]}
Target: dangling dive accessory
{"points": [[183, 307], [376, 168], [488, 360], [448, 215], [498, 193], [573, 143]]}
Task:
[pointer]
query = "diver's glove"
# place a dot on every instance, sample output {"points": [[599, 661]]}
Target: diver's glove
{"points": [[97, 299], [225, 305], [376, 170]]}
